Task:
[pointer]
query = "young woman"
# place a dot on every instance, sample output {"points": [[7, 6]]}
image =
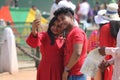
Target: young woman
{"points": [[51, 47]]}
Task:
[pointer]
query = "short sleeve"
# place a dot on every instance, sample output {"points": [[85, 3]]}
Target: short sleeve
{"points": [[78, 36]]}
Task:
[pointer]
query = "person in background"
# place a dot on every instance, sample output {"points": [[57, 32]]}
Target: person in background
{"points": [[75, 49], [108, 36], [104, 31], [37, 12], [67, 3], [96, 8], [54, 7], [93, 41], [35, 8], [83, 10], [77, 17], [51, 47], [114, 51]]}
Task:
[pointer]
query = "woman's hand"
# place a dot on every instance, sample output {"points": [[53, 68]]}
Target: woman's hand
{"points": [[35, 25], [104, 64], [65, 75]]}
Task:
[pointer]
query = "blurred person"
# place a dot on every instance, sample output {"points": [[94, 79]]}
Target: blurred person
{"points": [[8, 53], [75, 50], [61, 3], [112, 28], [38, 13], [16, 3], [114, 52], [87, 24], [67, 3], [83, 10], [96, 8], [93, 41], [54, 7], [102, 22], [34, 7], [51, 47], [108, 35], [91, 15], [104, 5], [77, 17]]}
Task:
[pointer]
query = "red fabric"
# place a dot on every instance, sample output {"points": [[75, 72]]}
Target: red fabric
{"points": [[106, 39], [5, 14], [76, 35], [51, 65], [93, 40]]}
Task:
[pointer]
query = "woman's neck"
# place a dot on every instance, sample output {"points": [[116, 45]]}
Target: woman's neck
{"points": [[70, 27]]}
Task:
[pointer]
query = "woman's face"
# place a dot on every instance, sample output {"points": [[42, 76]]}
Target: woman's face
{"points": [[56, 29], [63, 21]]}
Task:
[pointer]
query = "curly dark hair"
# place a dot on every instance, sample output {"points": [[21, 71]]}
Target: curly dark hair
{"points": [[65, 11], [50, 33]]}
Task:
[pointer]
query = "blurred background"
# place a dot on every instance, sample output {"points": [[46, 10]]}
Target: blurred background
{"points": [[18, 15], [43, 5]]}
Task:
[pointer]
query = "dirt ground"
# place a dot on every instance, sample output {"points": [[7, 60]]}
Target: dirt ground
{"points": [[27, 71], [23, 74]]}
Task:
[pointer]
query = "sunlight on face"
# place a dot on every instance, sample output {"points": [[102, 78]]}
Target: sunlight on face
{"points": [[64, 21], [56, 29]]}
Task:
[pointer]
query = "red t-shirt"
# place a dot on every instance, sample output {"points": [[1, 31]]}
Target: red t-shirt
{"points": [[106, 39], [76, 35]]}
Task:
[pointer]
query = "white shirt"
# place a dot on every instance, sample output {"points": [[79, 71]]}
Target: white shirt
{"points": [[53, 9], [84, 8], [65, 3]]}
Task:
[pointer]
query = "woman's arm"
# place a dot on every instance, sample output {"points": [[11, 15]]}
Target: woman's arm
{"points": [[109, 50], [35, 38], [112, 51]]}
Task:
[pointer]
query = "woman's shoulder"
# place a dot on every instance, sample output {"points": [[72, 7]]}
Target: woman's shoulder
{"points": [[105, 27]]}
